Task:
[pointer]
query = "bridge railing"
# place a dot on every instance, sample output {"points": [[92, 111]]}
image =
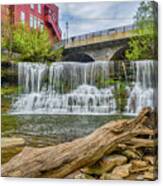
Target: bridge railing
{"points": [[100, 33]]}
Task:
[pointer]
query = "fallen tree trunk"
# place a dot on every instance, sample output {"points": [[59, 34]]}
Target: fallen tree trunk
{"points": [[61, 160]]}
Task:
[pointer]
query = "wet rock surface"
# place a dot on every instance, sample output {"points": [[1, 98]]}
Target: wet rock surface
{"points": [[12, 142]]}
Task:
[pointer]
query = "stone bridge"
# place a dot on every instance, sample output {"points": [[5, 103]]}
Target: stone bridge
{"points": [[103, 45]]}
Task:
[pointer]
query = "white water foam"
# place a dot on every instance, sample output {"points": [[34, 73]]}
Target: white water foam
{"points": [[143, 92], [44, 89], [74, 88]]}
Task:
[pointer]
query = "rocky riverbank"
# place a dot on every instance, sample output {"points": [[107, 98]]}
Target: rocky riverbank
{"points": [[117, 166], [123, 149]]}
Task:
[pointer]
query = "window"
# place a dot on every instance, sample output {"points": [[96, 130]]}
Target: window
{"points": [[38, 23], [31, 21], [39, 8], [22, 17], [42, 26], [35, 22], [32, 6]]}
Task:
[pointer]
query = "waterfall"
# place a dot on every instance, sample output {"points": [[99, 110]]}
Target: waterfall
{"points": [[83, 88], [65, 88], [143, 93]]}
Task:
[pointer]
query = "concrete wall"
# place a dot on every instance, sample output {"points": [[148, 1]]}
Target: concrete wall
{"points": [[104, 54], [98, 52], [101, 45]]}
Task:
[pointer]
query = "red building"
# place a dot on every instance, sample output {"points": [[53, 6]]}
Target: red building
{"points": [[36, 16]]}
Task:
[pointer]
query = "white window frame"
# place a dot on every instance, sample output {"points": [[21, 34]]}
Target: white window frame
{"points": [[22, 17], [32, 6], [35, 22], [31, 21], [39, 8], [42, 25], [38, 23]]}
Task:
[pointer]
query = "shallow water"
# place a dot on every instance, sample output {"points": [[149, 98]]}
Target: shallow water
{"points": [[47, 129]]}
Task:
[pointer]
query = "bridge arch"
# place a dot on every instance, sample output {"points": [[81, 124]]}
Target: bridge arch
{"points": [[78, 57], [120, 53]]}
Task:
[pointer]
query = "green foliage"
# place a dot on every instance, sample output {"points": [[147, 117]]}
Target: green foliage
{"points": [[9, 90], [55, 55], [32, 45], [6, 39], [110, 82], [8, 73], [119, 92], [4, 57], [120, 95], [9, 123], [7, 94], [5, 104], [144, 44]]}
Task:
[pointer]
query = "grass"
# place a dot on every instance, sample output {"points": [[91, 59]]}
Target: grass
{"points": [[7, 154], [6, 97], [8, 123], [9, 90], [5, 104]]}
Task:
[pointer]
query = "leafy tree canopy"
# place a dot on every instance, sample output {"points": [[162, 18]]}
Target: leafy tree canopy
{"points": [[144, 45], [32, 45]]}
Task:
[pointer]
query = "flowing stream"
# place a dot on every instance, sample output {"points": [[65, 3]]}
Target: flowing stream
{"points": [[81, 88]]}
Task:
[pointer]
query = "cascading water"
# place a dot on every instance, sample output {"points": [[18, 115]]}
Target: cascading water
{"points": [[144, 92], [65, 88], [82, 88]]}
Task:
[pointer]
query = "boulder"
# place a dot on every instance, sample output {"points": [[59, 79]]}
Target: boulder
{"points": [[135, 176], [73, 175], [83, 176], [138, 166], [131, 154], [150, 159], [122, 170], [106, 164], [110, 176], [152, 168], [149, 175], [139, 163], [140, 177], [138, 169]]}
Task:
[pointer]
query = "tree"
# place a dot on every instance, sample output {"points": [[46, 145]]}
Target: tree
{"points": [[7, 33], [144, 44], [32, 45]]}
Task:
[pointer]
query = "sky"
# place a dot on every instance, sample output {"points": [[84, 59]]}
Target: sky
{"points": [[93, 16]]}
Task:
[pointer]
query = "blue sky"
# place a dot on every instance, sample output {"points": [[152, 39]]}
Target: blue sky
{"points": [[89, 17]]}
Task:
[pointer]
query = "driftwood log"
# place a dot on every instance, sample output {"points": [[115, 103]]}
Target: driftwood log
{"points": [[63, 159]]}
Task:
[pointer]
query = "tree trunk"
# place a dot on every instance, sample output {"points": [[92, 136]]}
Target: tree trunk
{"points": [[60, 160]]}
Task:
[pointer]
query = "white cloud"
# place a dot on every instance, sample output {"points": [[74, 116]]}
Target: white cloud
{"points": [[90, 17], [88, 10]]}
